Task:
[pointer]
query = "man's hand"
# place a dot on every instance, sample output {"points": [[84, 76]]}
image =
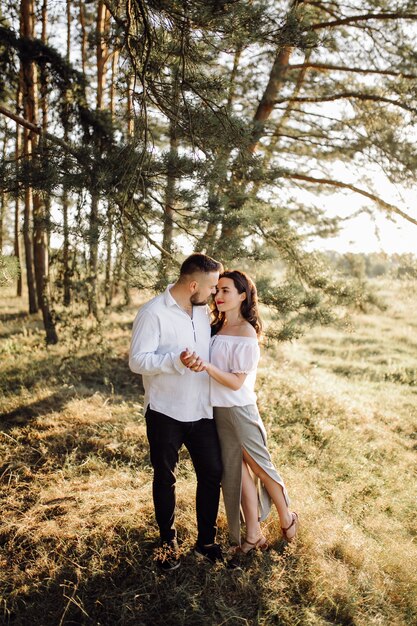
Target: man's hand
{"points": [[192, 361]]}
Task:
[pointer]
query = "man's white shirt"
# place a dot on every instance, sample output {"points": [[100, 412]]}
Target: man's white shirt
{"points": [[161, 331]]}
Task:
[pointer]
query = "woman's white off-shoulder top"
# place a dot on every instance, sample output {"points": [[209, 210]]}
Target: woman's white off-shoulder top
{"points": [[239, 355]]}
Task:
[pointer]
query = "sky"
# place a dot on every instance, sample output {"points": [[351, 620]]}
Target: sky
{"points": [[374, 229], [366, 233]]}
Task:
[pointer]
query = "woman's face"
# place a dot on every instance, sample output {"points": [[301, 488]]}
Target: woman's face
{"points": [[227, 297]]}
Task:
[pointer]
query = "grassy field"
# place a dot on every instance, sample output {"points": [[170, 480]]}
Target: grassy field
{"points": [[77, 531]]}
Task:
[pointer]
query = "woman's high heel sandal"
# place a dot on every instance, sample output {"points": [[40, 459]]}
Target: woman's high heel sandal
{"points": [[248, 546], [295, 522]]}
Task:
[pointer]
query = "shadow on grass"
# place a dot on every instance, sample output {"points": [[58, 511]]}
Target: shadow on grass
{"points": [[95, 372], [127, 589], [24, 413], [15, 323], [76, 447], [51, 447]]}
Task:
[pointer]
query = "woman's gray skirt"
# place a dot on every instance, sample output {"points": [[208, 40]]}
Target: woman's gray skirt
{"points": [[241, 427]]}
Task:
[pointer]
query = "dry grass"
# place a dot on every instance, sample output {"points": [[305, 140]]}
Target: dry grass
{"points": [[77, 531]]}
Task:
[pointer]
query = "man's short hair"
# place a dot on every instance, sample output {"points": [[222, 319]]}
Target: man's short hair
{"points": [[199, 263]]}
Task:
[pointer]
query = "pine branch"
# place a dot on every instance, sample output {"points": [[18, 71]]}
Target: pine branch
{"points": [[350, 94], [363, 18], [145, 230], [356, 70], [65, 145], [336, 183]]}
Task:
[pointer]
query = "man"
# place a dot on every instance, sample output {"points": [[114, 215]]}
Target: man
{"points": [[177, 405]]}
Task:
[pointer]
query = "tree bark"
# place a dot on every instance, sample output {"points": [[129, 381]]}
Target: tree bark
{"points": [[41, 216], [83, 36], [169, 204], [267, 102], [65, 199], [3, 195], [126, 251], [101, 59], [18, 150], [270, 149], [108, 286], [207, 241], [262, 114], [29, 112], [102, 27], [93, 236]]}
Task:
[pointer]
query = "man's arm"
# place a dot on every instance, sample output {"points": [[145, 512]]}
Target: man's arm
{"points": [[143, 356]]}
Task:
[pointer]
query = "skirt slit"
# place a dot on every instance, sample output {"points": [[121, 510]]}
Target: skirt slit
{"points": [[242, 428]]}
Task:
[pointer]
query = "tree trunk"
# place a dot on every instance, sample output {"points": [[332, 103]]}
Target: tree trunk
{"points": [[262, 114], [28, 245], [41, 217], [267, 102], [126, 252], [83, 36], [2, 213], [165, 263], [18, 149], [29, 113], [102, 24], [127, 262], [93, 237], [207, 242], [3, 196], [65, 200], [108, 286], [17, 254], [91, 262], [129, 104], [169, 204], [117, 268], [102, 27], [66, 251]]}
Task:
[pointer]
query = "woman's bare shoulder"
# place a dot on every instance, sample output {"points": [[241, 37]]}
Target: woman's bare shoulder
{"points": [[246, 330]]}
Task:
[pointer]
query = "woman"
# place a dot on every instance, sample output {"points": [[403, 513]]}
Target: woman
{"points": [[232, 368]]}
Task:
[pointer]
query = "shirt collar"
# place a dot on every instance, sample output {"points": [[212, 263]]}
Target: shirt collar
{"points": [[169, 300]]}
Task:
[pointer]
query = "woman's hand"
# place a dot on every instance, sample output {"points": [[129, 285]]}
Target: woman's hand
{"points": [[192, 361], [196, 364]]}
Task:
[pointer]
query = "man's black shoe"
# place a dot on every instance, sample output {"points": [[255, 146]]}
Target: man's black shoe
{"points": [[167, 556], [238, 561], [212, 553]]}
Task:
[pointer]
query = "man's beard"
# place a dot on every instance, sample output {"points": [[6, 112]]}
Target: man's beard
{"points": [[195, 300]]}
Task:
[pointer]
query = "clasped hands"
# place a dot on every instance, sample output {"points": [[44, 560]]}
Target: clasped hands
{"points": [[192, 361]]}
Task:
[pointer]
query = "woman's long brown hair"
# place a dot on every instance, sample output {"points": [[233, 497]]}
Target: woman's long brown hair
{"points": [[249, 306]]}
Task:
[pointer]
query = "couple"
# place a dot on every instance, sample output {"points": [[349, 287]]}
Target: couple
{"points": [[170, 347]]}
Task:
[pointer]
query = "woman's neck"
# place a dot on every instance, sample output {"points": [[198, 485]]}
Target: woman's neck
{"points": [[233, 320]]}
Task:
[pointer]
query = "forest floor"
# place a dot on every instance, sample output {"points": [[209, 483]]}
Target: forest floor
{"points": [[77, 531]]}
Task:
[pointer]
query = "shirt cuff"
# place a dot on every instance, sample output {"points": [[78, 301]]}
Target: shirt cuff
{"points": [[178, 364]]}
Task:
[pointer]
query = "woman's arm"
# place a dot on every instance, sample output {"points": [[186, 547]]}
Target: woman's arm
{"points": [[228, 379]]}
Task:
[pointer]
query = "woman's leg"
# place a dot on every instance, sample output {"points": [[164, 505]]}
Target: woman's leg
{"points": [[276, 494], [249, 500]]}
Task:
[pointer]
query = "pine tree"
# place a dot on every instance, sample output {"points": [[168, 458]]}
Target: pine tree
{"points": [[237, 117]]}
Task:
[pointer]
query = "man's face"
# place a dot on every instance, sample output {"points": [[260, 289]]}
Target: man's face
{"points": [[204, 286]]}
